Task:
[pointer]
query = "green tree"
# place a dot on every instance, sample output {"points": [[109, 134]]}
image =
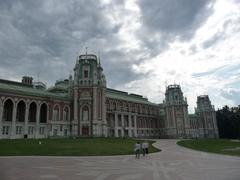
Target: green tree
{"points": [[228, 120]]}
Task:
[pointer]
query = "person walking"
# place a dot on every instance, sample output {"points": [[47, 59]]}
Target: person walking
{"points": [[137, 148], [143, 148], [146, 145]]}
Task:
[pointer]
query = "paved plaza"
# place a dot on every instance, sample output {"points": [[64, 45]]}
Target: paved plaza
{"points": [[173, 163]]}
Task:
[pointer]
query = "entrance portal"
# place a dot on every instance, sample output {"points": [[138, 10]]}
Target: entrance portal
{"points": [[85, 131]]}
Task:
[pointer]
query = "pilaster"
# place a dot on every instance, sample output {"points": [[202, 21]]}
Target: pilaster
{"points": [[130, 126], [116, 125], [26, 119], [1, 115], [13, 133], [104, 107], [95, 103], [123, 125], [37, 122], [135, 127]]}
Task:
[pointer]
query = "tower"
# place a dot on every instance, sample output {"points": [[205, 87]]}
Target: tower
{"points": [[206, 117], [177, 121], [89, 97]]}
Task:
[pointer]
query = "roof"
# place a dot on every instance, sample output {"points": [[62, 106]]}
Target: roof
{"points": [[19, 88], [13, 87], [121, 95], [192, 116]]}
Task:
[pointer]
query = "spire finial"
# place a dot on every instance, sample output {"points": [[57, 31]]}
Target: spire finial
{"points": [[99, 58]]}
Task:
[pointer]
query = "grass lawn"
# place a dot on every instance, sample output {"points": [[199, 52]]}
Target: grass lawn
{"points": [[220, 146], [69, 147]]}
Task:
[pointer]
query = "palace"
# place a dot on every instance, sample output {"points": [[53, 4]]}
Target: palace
{"points": [[84, 106]]}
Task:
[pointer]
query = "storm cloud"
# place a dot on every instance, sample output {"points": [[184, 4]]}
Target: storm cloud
{"points": [[144, 45]]}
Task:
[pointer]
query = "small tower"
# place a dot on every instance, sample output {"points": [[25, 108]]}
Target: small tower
{"points": [[177, 122], [206, 117], [89, 97], [26, 80]]}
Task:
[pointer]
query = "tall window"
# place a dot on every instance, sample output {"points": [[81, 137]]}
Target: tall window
{"points": [[85, 73], [65, 114], [8, 109], [85, 114], [32, 112], [43, 113], [56, 113], [20, 111]]}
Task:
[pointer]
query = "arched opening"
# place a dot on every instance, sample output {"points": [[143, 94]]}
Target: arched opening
{"points": [[56, 113], [21, 107], [108, 104], [43, 113], [66, 114], [114, 106], [32, 112], [85, 113], [139, 110], [8, 109]]}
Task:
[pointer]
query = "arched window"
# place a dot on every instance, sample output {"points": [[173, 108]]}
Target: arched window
{"points": [[8, 109], [43, 113], [114, 106], [66, 114], [85, 114], [32, 112], [20, 112], [127, 107], [108, 104], [56, 113], [139, 109]]}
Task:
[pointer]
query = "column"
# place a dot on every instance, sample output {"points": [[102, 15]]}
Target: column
{"points": [[104, 107], [123, 127], [173, 118], [186, 124], [130, 126], [206, 124], [26, 119], [135, 127], [75, 113], [104, 123], [37, 122], [1, 115], [116, 125], [94, 103], [13, 133]]}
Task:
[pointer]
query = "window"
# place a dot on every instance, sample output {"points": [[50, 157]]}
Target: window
{"points": [[65, 132], [5, 130], [30, 130], [119, 133], [85, 114], [119, 120], [85, 73], [65, 114], [133, 122], [55, 132], [19, 130], [42, 130], [61, 128], [56, 114]]}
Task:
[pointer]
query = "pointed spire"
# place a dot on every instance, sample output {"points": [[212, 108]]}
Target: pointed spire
{"points": [[77, 57], [86, 51], [99, 60]]}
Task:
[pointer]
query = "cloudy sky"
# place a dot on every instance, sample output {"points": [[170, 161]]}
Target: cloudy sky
{"points": [[144, 44]]}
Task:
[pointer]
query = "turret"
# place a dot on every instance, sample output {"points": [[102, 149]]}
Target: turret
{"points": [[177, 121], [206, 117], [89, 96]]}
